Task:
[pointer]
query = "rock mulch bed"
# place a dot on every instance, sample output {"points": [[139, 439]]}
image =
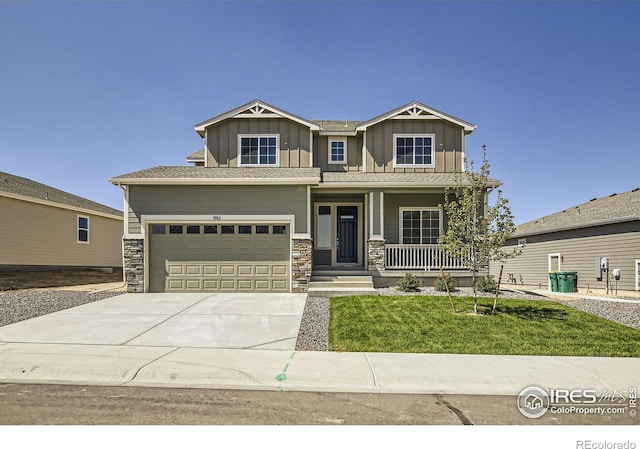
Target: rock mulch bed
{"points": [[19, 305]]}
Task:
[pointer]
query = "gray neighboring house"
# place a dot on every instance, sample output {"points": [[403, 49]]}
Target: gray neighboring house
{"points": [[575, 239], [273, 198], [45, 228]]}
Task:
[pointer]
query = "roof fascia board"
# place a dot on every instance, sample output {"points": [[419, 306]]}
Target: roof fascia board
{"points": [[338, 133], [338, 184], [239, 113], [578, 226], [468, 127], [215, 181], [59, 205]]}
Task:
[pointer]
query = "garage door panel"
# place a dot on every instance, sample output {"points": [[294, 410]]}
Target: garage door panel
{"points": [[219, 262]]}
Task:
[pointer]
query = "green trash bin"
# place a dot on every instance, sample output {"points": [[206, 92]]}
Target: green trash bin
{"points": [[553, 277], [567, 281]]}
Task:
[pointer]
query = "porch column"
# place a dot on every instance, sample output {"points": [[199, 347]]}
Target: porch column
{"points": [[133, 251], [301, 253], [376, 240]]}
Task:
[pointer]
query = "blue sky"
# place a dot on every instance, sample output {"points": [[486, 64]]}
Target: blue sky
{"points": [[91, 90]]}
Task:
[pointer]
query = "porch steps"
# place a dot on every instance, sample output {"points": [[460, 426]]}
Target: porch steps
{"points": [[340, 285]]}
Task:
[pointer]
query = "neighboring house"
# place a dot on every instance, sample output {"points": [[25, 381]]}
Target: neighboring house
{"points": [[273, 197], [576, 239], [46, 228]]}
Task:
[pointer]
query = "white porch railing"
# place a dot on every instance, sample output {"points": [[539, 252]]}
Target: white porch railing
{"points": [[419, 257]]}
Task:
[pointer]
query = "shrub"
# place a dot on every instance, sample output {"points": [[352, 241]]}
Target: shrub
{"points": [[440, 283], [409, 283], [486, 284]]}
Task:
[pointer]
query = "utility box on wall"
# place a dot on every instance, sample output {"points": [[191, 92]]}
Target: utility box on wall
{"points": [[602, 266]]}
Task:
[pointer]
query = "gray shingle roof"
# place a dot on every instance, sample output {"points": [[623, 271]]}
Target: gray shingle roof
{"points": [[608, 209], [427, 179], [211, 174], [197, 155], [17, 185], [337, 125]]}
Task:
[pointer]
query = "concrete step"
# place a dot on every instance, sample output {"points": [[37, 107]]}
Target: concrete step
{"points": [[341, 278], [329, 292], [333, 273], [341, 284]]}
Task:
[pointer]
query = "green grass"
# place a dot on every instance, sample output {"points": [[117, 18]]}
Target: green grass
{"points": [[427, 324]]}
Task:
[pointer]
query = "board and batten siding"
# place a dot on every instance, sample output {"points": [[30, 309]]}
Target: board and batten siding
{"points": [[579, 249], [393, 202], [43, 235], [448, 137], [222, 141], [321, 153], [218, 200]]}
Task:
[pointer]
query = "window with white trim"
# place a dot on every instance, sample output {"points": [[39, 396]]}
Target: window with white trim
{"points": [[420, 226], [83, 229], [258, 150], [413, 149], [337, 151]]}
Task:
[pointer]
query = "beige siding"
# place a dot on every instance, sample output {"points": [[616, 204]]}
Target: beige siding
{"points": [[579, 249], [219, 200], [36, 234], [448, 144], [222, 141], [394, 201], [321, 154]]}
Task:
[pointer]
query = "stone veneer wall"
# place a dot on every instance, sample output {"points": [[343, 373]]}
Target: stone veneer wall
{"points": [[301, 253], [134, 264], [375, 249]]}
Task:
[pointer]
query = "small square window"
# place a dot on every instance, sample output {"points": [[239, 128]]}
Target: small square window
{"points": [[158, 229], [193, 229], [175, 229], [244, 229], [210, 229], [337, 151], [228, 229], [262, 229], [279, 229]]}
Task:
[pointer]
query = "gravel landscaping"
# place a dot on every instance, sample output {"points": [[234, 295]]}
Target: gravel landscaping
{"points": [[19, 305], [314, 329]]}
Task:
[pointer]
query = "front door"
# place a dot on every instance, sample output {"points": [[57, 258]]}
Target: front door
{"points": [[347, 235]]}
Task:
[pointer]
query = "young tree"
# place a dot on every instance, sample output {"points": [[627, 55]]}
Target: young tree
{"points": [[476, 231]]}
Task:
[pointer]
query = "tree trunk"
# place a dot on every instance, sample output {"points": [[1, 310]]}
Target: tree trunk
{"points": [[495, 301]]}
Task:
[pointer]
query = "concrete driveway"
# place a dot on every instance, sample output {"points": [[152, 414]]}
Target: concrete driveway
{"points": [[197, 320]]}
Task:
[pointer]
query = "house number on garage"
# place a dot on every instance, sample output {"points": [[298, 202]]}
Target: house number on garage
{"points": [[216, 218]]}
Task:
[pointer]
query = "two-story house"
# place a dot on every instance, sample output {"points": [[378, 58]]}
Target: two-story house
{"points": [[274, 197]]}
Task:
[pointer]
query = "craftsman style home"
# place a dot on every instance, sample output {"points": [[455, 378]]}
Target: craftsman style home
{"points": [[273, 198]]}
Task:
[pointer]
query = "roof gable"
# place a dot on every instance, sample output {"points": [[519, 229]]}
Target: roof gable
{"points": [[255, 109], [416, 110]]}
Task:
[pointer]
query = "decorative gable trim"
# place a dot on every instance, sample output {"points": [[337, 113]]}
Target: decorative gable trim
{"points": [[417, 111], [255, 109]]}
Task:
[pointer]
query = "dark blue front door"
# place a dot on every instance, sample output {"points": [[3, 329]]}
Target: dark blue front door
{"points": [[347, 244]]}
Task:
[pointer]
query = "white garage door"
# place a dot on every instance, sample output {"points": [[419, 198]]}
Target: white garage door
{"points": [[219, 257]]}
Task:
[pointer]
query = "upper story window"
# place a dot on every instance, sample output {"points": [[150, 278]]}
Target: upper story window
{"points": [[83, 229], [337, 151], [412, 150], [258, 149]]}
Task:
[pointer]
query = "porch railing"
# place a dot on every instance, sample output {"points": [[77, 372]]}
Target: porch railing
{"points": [[418, 257]]}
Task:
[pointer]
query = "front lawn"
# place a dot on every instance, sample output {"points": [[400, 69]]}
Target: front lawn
{"points": [[427, 324]]}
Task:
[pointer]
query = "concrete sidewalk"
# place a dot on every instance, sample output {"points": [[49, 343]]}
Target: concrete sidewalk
{"points": [[308, 371]]}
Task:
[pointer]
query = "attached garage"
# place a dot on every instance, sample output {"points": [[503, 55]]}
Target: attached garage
{"points": [[242, 257]]}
